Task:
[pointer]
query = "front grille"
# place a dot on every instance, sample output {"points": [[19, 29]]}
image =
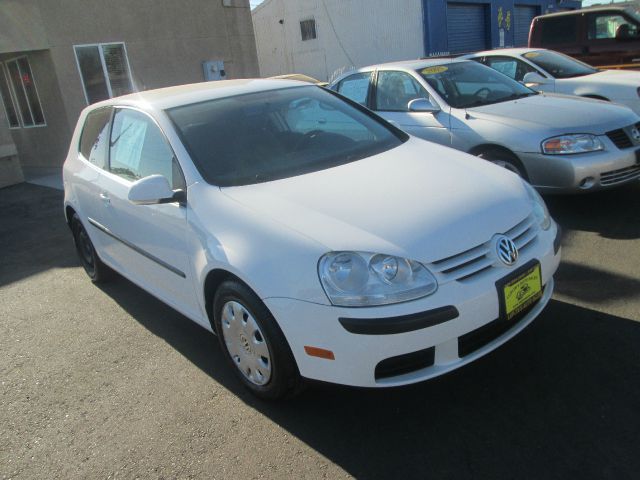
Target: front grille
{"points": [[478, 338], [407, 363], [466, 265], [620, 138], [619, 176]]}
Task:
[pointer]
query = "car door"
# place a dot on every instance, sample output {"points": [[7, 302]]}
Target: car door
{"points": [[151, 247], [612, 38], [392, 92]]}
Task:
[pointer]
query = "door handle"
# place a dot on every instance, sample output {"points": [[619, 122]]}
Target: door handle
{"points": [[105, 199]]}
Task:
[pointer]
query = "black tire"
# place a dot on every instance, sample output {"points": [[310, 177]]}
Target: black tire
{"points": [[506, 160], [284, 380], [98, 272]]}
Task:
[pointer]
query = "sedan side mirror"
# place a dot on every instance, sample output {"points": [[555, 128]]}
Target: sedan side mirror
{"points": [[153, 190], [534, 78], [423, 105]]}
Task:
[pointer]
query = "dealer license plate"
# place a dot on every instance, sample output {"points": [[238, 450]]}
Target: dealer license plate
{"points": [[522, 291]]}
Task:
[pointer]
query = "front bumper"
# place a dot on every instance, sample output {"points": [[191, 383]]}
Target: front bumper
{"points": [[582, 172], [358, 355]]}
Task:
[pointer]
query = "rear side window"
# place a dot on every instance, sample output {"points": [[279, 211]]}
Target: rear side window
{"points": [[511, 67], [559, 30], [139, 149], [94, 139], [355, 87]]}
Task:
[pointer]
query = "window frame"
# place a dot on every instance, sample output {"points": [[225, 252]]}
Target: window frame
{"points": [[115, 109], [105, 72], [12, 93]]}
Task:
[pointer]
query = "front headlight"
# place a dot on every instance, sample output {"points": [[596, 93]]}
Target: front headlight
{"points": [[539, 207], [567, 144], [362, 279]]}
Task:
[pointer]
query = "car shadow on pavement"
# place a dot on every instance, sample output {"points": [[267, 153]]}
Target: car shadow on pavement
{"points": [[591, 284], [558, 401], [31, 241], [613, 213]]}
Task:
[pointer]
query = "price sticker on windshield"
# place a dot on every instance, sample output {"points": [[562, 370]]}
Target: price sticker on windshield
{"points": [[531, 54], [433, 70]]}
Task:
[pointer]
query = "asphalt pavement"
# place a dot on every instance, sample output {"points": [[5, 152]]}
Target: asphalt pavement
{"points": [[108, 382]]}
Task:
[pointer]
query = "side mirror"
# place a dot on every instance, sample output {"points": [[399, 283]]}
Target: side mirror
{"points": [[153, 190], [626, 32], [534, 78], [423, 105]]}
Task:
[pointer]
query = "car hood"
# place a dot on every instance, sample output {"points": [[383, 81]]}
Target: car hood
{"points": [[419, 200], [557, 114], [608, 77]]}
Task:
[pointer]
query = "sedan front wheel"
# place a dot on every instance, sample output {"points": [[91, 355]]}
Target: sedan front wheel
{"points": [[505, 160]]}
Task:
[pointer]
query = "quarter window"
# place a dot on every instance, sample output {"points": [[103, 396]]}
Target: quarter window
{"points": [[139, 149], [94, 140], [395, 90], [104, 70], [19, 94], [355, 87]]}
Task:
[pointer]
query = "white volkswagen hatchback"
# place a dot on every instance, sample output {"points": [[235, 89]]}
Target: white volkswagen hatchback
{"points": [[315, 239]]}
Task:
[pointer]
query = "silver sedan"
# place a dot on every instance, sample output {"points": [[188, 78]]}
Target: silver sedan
{"points": [[560, 144]]}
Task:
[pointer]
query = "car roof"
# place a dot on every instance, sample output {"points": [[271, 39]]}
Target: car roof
{"points": [[169, 97], [505, 51], [415, 64], [598, 8]]}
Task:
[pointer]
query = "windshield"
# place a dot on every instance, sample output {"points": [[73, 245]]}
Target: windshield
{"points": [[559, 65], [633, 12], [277, 134], [470, 84]]}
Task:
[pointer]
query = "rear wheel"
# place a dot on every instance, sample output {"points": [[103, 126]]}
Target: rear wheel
{"points": [[253, 343], [506, 160], [97, 271]]}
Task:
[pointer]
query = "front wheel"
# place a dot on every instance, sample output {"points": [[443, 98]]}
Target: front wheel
{"points": [[505, 160], [253, 343]]}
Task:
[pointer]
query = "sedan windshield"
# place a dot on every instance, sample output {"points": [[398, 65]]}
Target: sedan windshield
{"points": [[277, 134], [470, 84], [559, 65]]}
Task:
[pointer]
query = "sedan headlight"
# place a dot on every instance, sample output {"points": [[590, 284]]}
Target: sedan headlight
{"points": [[539, 207], [567, 144], [361, 279]]}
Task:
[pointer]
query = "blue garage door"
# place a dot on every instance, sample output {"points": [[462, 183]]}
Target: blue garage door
{"points": [[523, 16], [467, 27]]}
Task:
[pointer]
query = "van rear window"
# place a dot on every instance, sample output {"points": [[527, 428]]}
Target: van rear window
{"points": [[559, 30]]}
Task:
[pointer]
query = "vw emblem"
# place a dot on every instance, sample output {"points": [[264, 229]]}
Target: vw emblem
{"points": [[506, 250], [635, 134]]}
